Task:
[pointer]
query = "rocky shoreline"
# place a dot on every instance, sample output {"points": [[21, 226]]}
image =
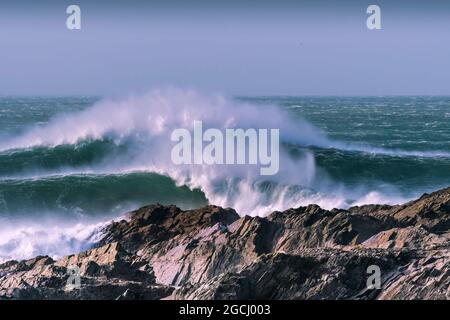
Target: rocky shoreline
{"points": [[162, 252]]}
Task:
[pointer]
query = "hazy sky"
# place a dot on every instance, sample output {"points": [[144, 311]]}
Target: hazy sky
{"points": [[237, 47]]}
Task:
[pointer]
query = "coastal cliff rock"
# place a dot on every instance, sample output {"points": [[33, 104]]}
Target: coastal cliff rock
{"points": [[163, 252]]}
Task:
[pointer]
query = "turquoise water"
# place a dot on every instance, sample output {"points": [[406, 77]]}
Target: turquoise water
{"points": [[419, 125], [31, 183], [32, 179]]}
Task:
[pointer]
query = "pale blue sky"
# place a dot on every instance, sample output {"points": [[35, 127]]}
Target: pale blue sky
{"points": [[241, 47]]}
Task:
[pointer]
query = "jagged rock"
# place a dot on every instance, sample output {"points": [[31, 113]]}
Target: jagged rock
{"points": [[409, 237], [313, 274], [105, 273], [163, 252], [432, 211]]}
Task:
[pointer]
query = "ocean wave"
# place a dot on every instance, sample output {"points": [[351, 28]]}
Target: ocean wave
{"points": [[89, 166], [81, 195], [364, 148], [133, 135]]}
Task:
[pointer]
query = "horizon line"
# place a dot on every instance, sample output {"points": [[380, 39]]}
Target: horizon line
{"points": [[236, 96]]}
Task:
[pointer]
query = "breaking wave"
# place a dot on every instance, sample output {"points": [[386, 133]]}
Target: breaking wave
{"points": [[116, 155], [133, 135]]}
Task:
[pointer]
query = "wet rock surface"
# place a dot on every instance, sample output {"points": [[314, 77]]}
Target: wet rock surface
{"points": [[163, 252]]}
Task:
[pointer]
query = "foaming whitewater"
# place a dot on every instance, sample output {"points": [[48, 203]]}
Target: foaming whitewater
{"points": [[25, 240], [144, 124]]}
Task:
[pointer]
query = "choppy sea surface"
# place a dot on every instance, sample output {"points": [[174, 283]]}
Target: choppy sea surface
{"points": [[70, 164]]}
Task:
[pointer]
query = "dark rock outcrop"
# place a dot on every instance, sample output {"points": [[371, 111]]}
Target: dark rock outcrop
{"points": [[162, 252]]}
